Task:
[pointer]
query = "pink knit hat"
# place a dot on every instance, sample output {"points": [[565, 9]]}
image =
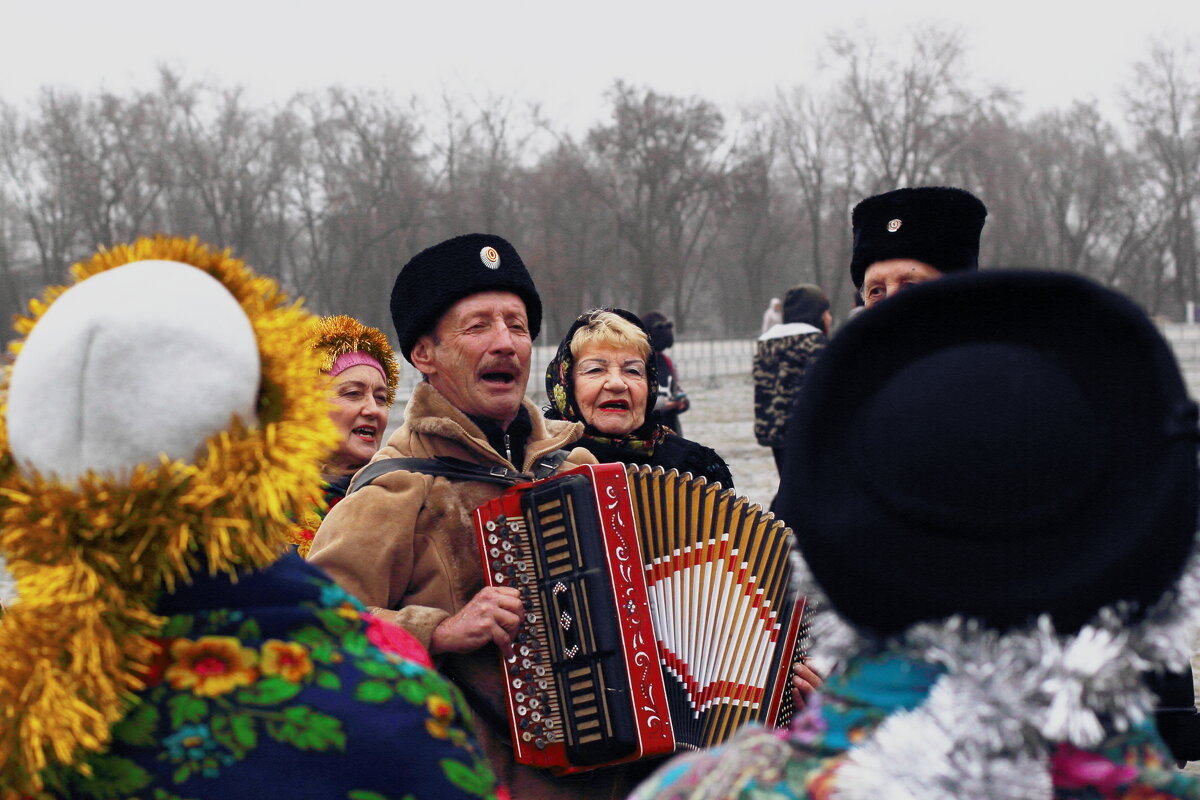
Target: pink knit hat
{"points": [[353, 359]]}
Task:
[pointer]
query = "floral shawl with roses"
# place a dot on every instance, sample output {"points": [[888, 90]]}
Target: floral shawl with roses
{"points": [[808, 760], [283, 672]]}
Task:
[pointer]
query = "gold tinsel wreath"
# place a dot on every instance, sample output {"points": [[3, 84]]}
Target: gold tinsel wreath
{"points": [[339, 334], [91, 559]]}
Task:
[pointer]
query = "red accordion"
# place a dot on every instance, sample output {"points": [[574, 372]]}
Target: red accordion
{"points": [[660, 614]]}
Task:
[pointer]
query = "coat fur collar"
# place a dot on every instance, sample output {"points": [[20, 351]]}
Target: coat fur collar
{"points": [[429, 413]]}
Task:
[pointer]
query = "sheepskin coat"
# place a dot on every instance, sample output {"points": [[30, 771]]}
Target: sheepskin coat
{"points": [[405, 545]]}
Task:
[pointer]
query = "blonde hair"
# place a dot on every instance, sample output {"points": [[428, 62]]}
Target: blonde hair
{"points": [[607, 328]]}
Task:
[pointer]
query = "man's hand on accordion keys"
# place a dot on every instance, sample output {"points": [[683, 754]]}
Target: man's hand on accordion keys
{"points": [[492, 615]]}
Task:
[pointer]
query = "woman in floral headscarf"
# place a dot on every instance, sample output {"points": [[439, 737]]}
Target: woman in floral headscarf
{"points": [[604, 376]]}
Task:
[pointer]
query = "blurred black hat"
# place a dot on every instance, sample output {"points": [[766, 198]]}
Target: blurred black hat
{"points": [[999, 445]]}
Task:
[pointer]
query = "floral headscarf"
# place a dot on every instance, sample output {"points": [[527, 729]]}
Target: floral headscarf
{"points": [[560, 386]]}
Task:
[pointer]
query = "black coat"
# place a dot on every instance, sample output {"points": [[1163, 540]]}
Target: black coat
{"points": [[673, 452]]}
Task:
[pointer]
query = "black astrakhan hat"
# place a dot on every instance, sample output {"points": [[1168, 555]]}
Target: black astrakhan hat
{"points": [[937, 225], [441, 275], [999, 445]]}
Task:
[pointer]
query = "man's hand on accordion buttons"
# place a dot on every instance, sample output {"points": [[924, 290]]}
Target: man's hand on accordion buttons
{"points": [[493, 615], [805, 681]]}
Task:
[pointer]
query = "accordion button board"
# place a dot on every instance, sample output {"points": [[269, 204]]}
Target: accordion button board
{"points": [[660, 614]]}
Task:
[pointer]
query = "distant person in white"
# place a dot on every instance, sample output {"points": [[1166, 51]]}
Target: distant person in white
{"points": [[772, 316]]}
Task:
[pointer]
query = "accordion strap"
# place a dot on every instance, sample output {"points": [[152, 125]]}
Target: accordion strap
{"points": [[457, 469]]}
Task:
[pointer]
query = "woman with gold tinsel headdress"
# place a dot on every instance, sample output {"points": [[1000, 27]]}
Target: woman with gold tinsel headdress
{"points": [[162, 425], [362, 373]]}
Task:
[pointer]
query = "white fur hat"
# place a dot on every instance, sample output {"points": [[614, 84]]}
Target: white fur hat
{"points": [[145, 360]]}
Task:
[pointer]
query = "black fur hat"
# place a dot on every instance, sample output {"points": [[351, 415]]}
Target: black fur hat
{"points": [[441, 275], [937, 225], [998, 445]]}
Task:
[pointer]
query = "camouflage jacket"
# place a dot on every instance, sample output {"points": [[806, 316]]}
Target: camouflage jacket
{"points": [[784, 356]]}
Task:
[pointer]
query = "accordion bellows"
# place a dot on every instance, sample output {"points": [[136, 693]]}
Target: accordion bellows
{"points": [[660, 613]]}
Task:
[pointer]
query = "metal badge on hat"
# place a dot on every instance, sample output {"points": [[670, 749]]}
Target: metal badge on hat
{"points": [[489, 257], [894, 225]]}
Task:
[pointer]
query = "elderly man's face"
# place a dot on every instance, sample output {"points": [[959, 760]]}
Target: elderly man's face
{"points": [[478, 355], [885, 278]]}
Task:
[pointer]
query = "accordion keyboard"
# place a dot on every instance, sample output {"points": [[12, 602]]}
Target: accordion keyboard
{"points": [[529, 674], [569, 637]]}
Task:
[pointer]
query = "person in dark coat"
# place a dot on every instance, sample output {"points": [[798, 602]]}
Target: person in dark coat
{"points": [[910, 236], [605, 375], [466, 312], [1000, 523]]}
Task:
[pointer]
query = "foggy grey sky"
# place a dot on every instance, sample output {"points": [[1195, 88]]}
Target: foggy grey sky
{"points": [[559, 53]]}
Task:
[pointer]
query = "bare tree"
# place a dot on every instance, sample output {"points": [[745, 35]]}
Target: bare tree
{"points": [[1078, 177], [824, 171], [758, 240], [908, 116], [361, 195], [13, 283], [567, 238], [229, 167], [38, 172], [485, 145], [115, 164], [660, 167], [1164, 106], [663, 204]]}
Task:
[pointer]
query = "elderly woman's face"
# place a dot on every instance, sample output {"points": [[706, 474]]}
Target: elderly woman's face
{"points": [[611, 389], [360, 411]]}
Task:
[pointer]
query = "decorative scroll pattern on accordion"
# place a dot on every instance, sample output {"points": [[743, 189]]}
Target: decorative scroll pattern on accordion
{"points": [[660, 613]]}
